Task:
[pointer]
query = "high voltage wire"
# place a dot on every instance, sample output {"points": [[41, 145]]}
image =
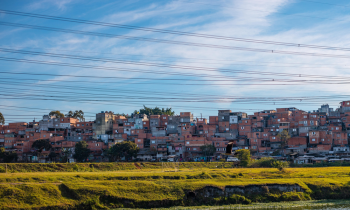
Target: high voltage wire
{"points": [[89, 58], [171, 31], [276, 82], [132, 96], [174, 42], [186, 58]]}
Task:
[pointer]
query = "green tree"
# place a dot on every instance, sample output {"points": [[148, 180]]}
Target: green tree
{"points": [[284, 136], [52, 156], [40, 145], [66, 152], [125, 149], [208, 150], [7, 157], [280, 165], [57, 114], [82, 151], [155, 111], [2, 119], [10, 156], [244, 157], [77, 114], [2, 152]]}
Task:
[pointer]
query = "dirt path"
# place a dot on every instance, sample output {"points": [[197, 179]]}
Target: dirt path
{"points": [[137, 166]]}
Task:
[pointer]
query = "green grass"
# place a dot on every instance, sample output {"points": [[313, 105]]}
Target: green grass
{"points": [[89, 167], [151, 188]]}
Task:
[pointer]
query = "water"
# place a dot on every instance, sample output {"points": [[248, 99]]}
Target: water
{"points": [[337, 207]]}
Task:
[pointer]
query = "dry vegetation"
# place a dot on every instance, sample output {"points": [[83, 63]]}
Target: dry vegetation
{"points": [[148, 187]]}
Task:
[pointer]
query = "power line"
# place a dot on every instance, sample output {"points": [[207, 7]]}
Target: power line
{"points": [[174, 42], [89, 58], [171, 31], [188, 58]]}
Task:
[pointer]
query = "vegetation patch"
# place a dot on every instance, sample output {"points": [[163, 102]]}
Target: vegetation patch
{"points": [[83, 189]]}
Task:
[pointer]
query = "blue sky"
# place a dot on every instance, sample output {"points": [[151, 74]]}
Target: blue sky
{"points": [[319, 22]]}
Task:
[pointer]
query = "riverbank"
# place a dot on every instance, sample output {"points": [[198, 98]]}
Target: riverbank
{"points": [[157, 189], [292, 205]]}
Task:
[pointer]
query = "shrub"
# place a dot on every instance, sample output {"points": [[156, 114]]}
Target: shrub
{"points": [[238, 199]]}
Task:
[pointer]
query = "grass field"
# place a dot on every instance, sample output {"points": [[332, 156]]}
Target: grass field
{"points": [[151, 188]]}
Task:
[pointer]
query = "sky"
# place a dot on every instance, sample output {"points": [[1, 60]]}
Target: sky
{"points": [[242, 66]]}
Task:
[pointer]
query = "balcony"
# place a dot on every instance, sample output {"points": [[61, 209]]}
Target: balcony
{"points": [[162, 149]]}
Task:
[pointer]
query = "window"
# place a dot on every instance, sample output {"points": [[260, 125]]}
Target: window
{"points": [[255, 140], [62, 120], [97, 145], [82, 124], [313, 139], [170, 118], [144, 123], [139, 140], [227, 129], [294, 129], [217, 149], [79, 137], [265, 134], [254, 147], [278, 120], [44, 135], [187, 142], [246, 121], [153, 142], [322, 139], [223, 117], [55, 119], [56, 125], [194, 148], [164, 118], [188, 148], [338, 135], [242, 127], [206, 131], [271, 129], [166, 123], [305, 116], [273, 137], [337, 128], [277, 129]]}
